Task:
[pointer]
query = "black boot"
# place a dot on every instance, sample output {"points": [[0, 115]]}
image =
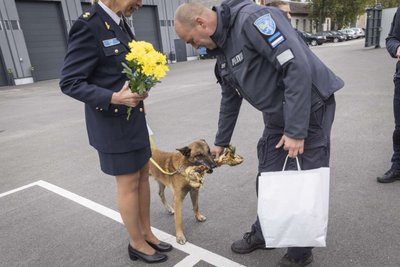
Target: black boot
{"points": [[249, 243], [287, 261], [389, 177]]}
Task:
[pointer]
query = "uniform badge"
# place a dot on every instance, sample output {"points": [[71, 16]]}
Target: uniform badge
{"points": [[265, 24], [236, 60], [276, 39], [86, 15], [107, 25], [111, 42]]}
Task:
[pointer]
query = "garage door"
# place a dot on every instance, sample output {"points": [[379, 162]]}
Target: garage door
{"points": [[146, 25], [3, 77], [86, 7], [45, 36]]}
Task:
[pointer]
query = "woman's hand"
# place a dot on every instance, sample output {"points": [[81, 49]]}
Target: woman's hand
{"points": [[126, 97]]}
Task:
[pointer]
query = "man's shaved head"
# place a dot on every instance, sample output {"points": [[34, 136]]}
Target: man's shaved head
{"points": [[195, 24], [186, 13]]}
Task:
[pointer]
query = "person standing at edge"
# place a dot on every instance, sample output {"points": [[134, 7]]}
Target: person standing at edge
{"points": [[393, 47], [274, 70], [285, 7], [92, 73]]}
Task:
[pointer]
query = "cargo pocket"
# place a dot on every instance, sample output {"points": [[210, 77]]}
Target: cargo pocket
{"points": [[270, 158], [315, 157]]}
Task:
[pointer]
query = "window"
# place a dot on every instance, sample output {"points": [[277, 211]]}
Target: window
{"points": [[304, 24], [297, 23], [7, 25], [15, 24], [162, 23]]}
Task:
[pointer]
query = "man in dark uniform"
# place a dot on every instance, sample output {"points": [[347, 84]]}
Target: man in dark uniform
{"points": [[392, 46], [267, 64]]}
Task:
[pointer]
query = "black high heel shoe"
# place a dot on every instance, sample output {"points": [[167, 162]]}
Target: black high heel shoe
{"points": [[156, 257], [162, 247]]}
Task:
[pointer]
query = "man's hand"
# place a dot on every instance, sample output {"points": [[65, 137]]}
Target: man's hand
{"points": [[216, 151], [294, 146], [126, 97], [398, 53]]}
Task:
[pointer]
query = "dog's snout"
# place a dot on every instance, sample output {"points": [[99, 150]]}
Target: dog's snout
{"points": [[211, 164]]}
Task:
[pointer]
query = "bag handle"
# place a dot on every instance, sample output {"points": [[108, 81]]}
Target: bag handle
{"points": [[297, 160]]}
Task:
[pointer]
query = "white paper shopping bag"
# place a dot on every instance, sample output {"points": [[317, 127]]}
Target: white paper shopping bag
{"points": [[293, 207]]}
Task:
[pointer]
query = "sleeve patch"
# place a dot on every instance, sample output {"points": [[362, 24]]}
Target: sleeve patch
{"points": [[270, 33], [285, 56], [276, 39], [265, 24]]}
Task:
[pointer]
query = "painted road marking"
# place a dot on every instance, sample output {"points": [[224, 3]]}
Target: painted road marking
{"points": [[196, 253]]}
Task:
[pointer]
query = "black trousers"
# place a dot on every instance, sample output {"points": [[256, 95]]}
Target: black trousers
{"points": [[316, 154], [396, 132]]}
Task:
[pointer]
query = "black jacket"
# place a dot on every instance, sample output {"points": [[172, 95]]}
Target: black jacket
{"points": [[393, 39], [270, 66], [92, 73]]}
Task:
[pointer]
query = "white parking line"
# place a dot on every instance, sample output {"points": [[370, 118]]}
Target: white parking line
{"points": [[196, 253]]}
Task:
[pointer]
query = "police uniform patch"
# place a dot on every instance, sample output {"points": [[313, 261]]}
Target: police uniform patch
{"points": [[236, 60], [111, 42], [265, 24], [276, 39]]}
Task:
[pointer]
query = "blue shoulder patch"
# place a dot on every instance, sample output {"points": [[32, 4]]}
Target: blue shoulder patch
{"points": [[265, 24]]}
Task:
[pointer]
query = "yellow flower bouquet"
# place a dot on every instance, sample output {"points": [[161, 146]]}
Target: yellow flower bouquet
{"points": [[144, 67]]}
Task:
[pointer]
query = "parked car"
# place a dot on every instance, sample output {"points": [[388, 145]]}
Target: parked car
{"points": [[351, 34], [359, 32], [313, 39], [345, 37], [203, 53], [332, 37]]}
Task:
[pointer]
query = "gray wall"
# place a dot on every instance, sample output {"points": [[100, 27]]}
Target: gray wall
{"points": [[14, 48], [387, 18]]}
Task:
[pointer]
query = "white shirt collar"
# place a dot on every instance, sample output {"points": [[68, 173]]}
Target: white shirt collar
{"points": [[111, 13]]}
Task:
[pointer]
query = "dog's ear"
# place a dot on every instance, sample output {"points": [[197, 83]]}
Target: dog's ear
{"points": [[185, 151]]}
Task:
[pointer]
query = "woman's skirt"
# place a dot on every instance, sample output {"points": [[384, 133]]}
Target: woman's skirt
{"points": [[124, 163]]}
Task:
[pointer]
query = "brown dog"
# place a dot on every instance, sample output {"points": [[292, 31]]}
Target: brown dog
{"points": [[173, 171]]}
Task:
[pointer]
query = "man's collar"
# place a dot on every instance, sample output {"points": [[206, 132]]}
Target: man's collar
{"points": [[111, 13], [219, 36]]}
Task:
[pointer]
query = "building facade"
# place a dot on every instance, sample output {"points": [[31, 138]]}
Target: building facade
{"points": [[300, 13], [33, 35]]}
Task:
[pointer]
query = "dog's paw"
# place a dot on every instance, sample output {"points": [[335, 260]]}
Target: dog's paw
{"points": [[181, 239], [170, 210], [201, 217]]}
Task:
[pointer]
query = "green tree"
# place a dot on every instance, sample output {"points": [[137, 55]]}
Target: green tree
{"points": [[342, 12], [385, 3]]}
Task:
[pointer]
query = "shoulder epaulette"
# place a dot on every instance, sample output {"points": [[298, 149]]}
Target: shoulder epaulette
{"points": [[87, 15]]}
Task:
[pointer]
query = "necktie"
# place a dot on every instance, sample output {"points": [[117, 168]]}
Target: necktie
{"points": [[123, 27]]}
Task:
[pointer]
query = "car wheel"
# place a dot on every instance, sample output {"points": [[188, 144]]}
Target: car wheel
{"points": [[335, 40], [314, 43]]}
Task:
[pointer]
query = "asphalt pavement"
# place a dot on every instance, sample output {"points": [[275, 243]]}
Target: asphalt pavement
{"points": [[70, 218]]}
